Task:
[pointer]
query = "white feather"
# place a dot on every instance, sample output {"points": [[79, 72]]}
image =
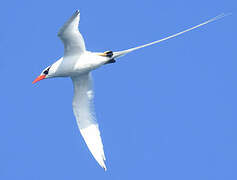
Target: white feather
{"points": [[122, 53], [77, 64], [84, 113], [71, 37]]}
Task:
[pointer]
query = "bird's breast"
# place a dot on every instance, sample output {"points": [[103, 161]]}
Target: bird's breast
{"points": [[75, 65]]}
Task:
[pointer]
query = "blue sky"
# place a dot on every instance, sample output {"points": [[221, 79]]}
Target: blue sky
{"points": [[165, 112]]}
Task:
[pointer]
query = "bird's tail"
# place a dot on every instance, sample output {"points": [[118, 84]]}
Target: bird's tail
{"points": [[122, 53]]}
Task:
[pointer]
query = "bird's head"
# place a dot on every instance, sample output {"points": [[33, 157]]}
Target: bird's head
{"points": [[46, 73]]}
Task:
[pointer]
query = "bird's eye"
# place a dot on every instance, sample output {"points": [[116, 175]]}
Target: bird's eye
{"points": [[46, 71]]}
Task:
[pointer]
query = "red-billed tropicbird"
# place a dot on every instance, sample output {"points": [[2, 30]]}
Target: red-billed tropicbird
{"points": [[77, 63]]}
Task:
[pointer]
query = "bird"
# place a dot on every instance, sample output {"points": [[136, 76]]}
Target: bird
{"points": [[77, 63]]}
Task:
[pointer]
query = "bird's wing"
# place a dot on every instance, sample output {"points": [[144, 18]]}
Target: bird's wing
{"points": [[85, 116], [71, 37], [121, 53]]}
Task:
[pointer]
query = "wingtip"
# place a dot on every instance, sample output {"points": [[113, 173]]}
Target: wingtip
{"points": [[77, 12], [105, 168], [102, 164], [101, 161]]}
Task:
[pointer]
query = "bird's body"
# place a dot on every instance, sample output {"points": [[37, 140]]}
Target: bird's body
{"points": [[77, 63]]}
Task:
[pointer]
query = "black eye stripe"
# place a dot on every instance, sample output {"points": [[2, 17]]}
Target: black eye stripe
{"points": [[46, 71]]}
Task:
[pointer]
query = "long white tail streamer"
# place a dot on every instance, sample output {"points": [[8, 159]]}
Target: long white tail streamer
{"points": [[121, 53]]}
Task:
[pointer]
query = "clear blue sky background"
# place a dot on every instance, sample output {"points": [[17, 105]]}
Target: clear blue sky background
{"points": [[166, 112]]}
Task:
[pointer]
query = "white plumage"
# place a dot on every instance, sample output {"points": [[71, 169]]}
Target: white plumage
{"points": [[77, 63], [84, 111]]}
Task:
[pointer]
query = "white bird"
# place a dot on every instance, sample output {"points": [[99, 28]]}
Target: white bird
{"points": [[77, 63]]}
